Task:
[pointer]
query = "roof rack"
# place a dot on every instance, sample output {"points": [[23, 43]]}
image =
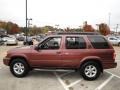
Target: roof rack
{"points": [[78, 33]]}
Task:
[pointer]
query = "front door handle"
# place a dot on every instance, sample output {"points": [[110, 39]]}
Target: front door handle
{"points": [[66, 53]]}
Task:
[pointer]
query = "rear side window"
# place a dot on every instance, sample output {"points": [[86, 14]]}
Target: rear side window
{"points": [[113, 38], [98, 42], [75, 43]]}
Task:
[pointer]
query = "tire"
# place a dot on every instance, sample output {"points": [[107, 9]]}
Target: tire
{"points": [[31, 43], [24, 43], [19, 67], [119, 44], [90, 75], [16, 44]]}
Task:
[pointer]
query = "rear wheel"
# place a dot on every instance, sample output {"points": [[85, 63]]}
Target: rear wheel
{"points": [[19, 67], [90, 70]]}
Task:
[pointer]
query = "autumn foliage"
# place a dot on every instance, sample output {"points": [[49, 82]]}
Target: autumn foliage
{"points": [[104, 29], [11, 28], [88, 28]]}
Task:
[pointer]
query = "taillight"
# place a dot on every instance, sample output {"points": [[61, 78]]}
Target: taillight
{"points": [[114, 55]]}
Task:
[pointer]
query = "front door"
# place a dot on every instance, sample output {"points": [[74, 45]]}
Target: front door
{"points": [[49, 53]]}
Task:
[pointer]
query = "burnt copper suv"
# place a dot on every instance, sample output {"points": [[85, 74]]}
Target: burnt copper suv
{"points": [[90, 54]]}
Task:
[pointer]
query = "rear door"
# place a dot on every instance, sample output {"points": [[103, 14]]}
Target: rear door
{"points": [[74, 50]]}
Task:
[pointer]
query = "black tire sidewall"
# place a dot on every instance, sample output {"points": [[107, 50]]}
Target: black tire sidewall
{"points": [[119, 44], [18, 60], [83, 68]]}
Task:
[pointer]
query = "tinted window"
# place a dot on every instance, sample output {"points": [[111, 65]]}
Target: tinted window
{"points": [[0, 38], [113, 38], [98, 42], [75, 43]]}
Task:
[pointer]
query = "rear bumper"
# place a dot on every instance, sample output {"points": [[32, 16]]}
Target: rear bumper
{"points": [[110, 65], [6, 61], [11, 42]]}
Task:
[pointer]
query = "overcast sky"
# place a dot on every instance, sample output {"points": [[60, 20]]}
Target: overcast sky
{"points": [[66, 13]]}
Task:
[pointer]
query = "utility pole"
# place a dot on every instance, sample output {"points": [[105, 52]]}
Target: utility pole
{"points": [[109, 18], [117, 28], [97, 27], [81, 29], [29, 23], [26, 22], [57, 25]]}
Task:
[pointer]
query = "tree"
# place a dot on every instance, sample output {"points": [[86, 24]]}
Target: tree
{"points": [[3, 24], [35, 30], [11, 28], [88, 28], [15, 29], [104, 29], [67, 29], [45, 29]]}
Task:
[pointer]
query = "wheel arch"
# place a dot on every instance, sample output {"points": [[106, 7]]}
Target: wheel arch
{"points": [[92, 60], [21, 57]]}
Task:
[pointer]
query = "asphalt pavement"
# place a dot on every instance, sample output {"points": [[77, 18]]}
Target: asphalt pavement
{"points": [[40, 79]]}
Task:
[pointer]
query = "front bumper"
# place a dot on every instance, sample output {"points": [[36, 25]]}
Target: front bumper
{"points": [[6, 61]]}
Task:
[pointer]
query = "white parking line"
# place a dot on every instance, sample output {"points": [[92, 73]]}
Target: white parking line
{"points": [[104, 83], [60, 80], [66, 87], [113, 74], [74, 83], [66, 73]]}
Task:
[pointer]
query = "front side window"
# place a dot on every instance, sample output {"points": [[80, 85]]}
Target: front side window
{"points": [[51, 43], [98, 42], [75, 43]]}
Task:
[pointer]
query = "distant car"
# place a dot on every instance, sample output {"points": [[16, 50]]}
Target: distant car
{"points": [[11, 41], [40, 37], [4, 38], [28, 41], [118, 37], [1, 41], [114, 40], [33, 37], [21, 38]]}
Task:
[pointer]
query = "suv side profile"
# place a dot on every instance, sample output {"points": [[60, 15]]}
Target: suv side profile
{"points": [[89, 54]]}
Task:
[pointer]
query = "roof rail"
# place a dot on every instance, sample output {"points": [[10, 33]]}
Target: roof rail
{"points": [[79, 33]]}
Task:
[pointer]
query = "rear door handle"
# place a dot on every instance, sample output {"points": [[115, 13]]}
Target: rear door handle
{"points": [[58, 52]]}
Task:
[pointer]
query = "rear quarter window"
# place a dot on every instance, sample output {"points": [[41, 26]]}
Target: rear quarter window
{"points": [[99, 42]]}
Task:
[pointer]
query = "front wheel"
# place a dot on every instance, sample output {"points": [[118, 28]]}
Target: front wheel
{"points": [[119, 44], [90, 70], [19, 67]]}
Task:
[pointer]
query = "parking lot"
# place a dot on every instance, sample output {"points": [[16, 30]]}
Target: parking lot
{"points": [[40, 79]]}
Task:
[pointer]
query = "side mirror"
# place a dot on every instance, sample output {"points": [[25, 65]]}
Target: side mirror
{"points": [[37, 48]]}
